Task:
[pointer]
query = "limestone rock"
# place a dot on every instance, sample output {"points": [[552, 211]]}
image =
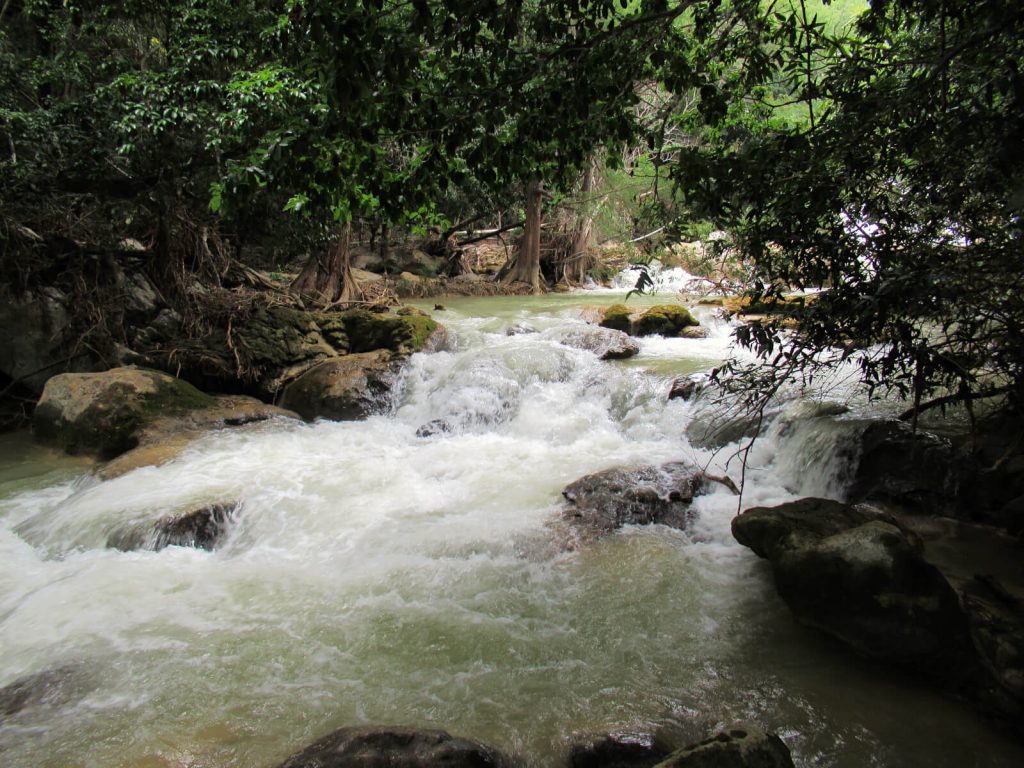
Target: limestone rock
{"points": [[741, 745], [346, 388], [606, 343], [664, 320], [393, 747], [857, 576], [642, 495], [105, 413]]}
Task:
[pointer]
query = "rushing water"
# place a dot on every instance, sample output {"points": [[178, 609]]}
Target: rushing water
{"points": [[376, 576]]}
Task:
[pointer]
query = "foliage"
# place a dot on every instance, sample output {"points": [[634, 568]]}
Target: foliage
{"points": [[902, 199]]}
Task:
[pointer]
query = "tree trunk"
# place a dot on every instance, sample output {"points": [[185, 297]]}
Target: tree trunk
{"points": [[579, 260], [526, 268], [327, 277]]}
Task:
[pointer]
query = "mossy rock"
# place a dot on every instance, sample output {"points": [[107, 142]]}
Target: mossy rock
{"points": [[105, 413], [664, 320], [618, 318], [369, 331]]}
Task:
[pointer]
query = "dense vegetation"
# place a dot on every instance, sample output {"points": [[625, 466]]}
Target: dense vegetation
{"points": [[881, 161]]}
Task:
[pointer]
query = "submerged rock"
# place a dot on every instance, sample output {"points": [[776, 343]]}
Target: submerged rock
{"points": [[393, 747], [617, 750], [201, 528], [855, 575], [606, 343], [49, 688], [642, 495], [346, 388], [686, 388], [740, 745]]}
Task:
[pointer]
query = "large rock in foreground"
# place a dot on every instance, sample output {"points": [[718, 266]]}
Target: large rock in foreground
{"points": [[345, 388], [739, 746], [135, 416], [105, 413], [857, 576], [392, 747], [643, 495]]}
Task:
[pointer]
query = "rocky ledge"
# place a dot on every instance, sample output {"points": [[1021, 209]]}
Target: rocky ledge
{"points": [[905, 590]]}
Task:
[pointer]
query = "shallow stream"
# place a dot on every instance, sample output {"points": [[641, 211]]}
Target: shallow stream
{"points": [[372, 575]]}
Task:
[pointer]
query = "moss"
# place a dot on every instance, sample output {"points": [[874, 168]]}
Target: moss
{"points": [[664, 320], [617, 317], [785, 305], [421, 327]]}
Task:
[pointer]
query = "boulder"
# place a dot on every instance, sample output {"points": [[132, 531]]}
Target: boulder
{"points": [[201, 528], [642, 495], [854, 574], [686, 388], [618, 317], [915, 470], [740, 745], [345, 388], [660, 320], [393, 747], [166, 436], [664, 320], [105, 413], [606, 343], [616, 750]]}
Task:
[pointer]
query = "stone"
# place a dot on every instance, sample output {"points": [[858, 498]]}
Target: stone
{"points": [[105, 413], [685, 388], [664, 320], [202, 528], [854, 574], [166, 436], [394, 747], [918, 471], [345, 388], [618, 317], [46, 689], [642, 495], [606, 343], [616, 750], [740, 745]]}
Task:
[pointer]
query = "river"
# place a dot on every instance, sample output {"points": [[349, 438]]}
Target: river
{"points": [[376, 576]]}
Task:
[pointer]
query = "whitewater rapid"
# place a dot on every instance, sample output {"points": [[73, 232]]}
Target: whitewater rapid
{"points": [[379, 573]]}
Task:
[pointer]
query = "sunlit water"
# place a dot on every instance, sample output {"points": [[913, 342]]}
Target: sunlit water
{"points": [[374, 576]]}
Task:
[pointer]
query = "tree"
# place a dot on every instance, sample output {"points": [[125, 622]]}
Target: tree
{"points": [[902, 198]]}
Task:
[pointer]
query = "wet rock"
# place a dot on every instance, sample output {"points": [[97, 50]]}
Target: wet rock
{"points": [[166, 436], [49, 688], [520, 329], [202, 528], [686, 388], [739, 746], [919, 471], [618, 317], [346, 388], [606, 343], [435, 427], [857, 576], [643, 495], [393, 747], [617, 750], [105, 413], [664, 320]]}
